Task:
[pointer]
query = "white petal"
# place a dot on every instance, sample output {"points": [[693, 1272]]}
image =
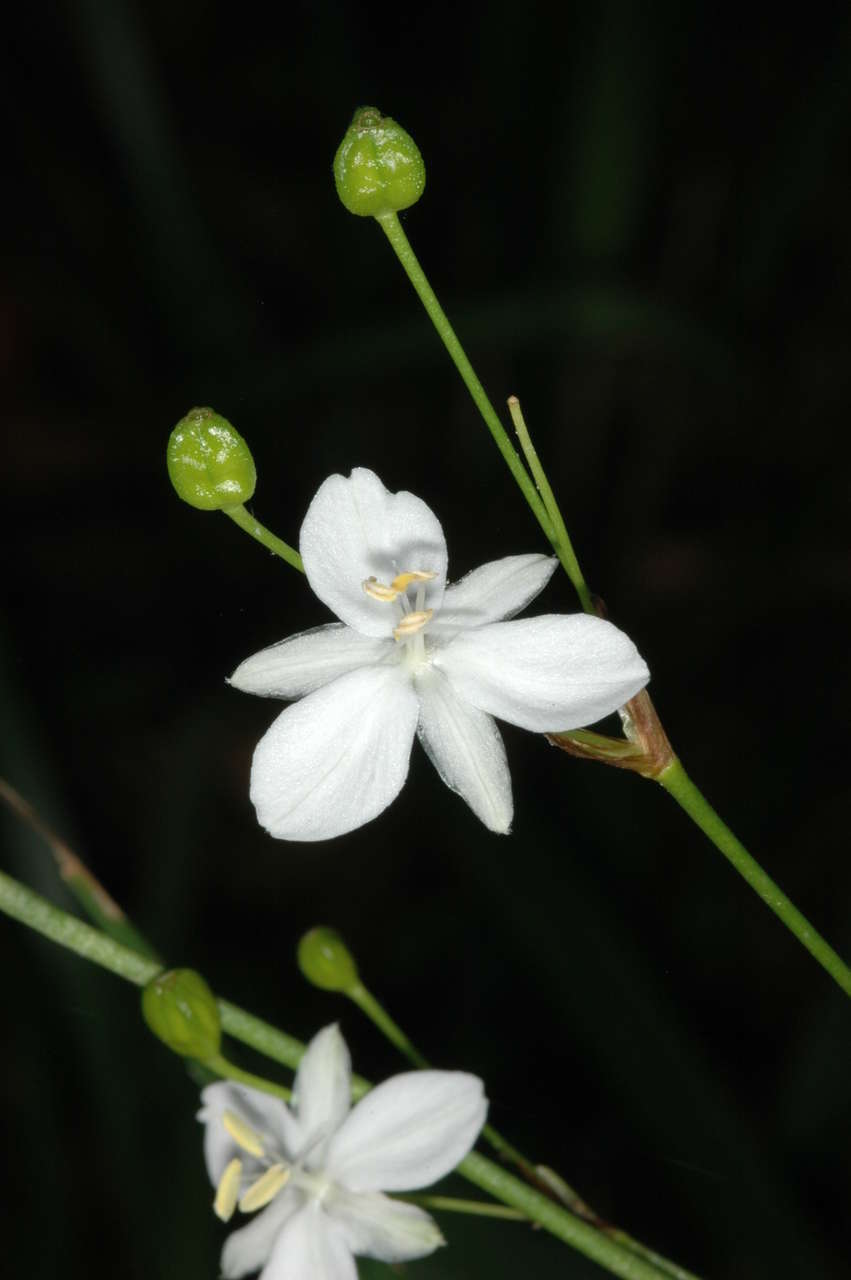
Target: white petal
{"points": [[382, 1228], [310, 1247], [408, 1131], [545, 674], [322, 1090], [247, 1249], [355, 529], [336, 759], [266, 1115], [466, 748], [305, 662], [492, 592]]}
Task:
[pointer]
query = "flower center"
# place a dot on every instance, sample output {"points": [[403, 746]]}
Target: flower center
{"points": [[258, 1192], [241, 1187], [413, 619]]}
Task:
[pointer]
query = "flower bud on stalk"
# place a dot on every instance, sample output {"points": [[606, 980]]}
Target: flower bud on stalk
{"points": [[378, 168], [209, 463], [181, 1010], [326, 961]]}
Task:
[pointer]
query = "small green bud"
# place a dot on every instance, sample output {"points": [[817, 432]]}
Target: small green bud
{"points": [[378, 167], [209, 463], [180, 1008], [326, 961]]}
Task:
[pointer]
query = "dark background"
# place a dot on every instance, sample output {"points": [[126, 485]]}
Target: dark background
{"points": [[638, 219]]}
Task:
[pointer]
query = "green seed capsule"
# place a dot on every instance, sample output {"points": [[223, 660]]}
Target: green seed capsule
{"points": [[378, 168], [180, 1008], [209, 463], [326, 961]]}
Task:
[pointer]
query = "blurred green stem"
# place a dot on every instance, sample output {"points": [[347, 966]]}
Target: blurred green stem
{"points": [[240, 516], [477, 1208], [369, 1005], [22, 904], [229, 1071], [538, 1176], [98, 905], [678, 784]]}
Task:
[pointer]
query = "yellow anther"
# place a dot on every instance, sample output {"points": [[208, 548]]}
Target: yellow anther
{"points": [[398, 586], [412, 623], [404, 580], [265, 1188], [242, 1134], [227, 1192], [378, 591]]}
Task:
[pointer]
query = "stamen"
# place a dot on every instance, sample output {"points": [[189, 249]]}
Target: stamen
{"points": [[399, 585], [265, 1188], [412, 623], [242, 1133], [227, 1192], [404, 580], [378, 591]]}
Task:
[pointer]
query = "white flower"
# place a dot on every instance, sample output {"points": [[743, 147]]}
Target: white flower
{"points": [[315, 1168], [414, 655]]}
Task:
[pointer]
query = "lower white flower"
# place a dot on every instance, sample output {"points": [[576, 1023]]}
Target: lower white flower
{"points": [[415, 656], [318, 1170]]}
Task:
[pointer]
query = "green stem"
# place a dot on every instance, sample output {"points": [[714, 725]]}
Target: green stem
{"points": [[98, 905], [31, 909], [477, 1208], [678, 784], [229, 1071], [270, 1041], [565, 547], [21, 903], [564, 1226], [240, 516], [377, 1014], [535, 1174], [392, 228]]}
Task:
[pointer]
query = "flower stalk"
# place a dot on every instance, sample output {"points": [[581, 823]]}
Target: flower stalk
{"points": [[538, 1176], [250, 525], [563, 543], [680, 787], [392, 228], [30, 909], [645, 748]]}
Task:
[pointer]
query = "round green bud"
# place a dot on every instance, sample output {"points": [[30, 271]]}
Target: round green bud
{"points": [[326, 961], [209, 463], [180, 1008], [378, 167]]}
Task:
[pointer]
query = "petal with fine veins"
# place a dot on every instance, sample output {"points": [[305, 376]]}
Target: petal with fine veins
{"points": [[545, 674], [466, 748], [308, 660], [333, 761], [310, 1247], [355, 529], [379, 1227], [322, 1089], [407, 1132], [494, 591]]}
